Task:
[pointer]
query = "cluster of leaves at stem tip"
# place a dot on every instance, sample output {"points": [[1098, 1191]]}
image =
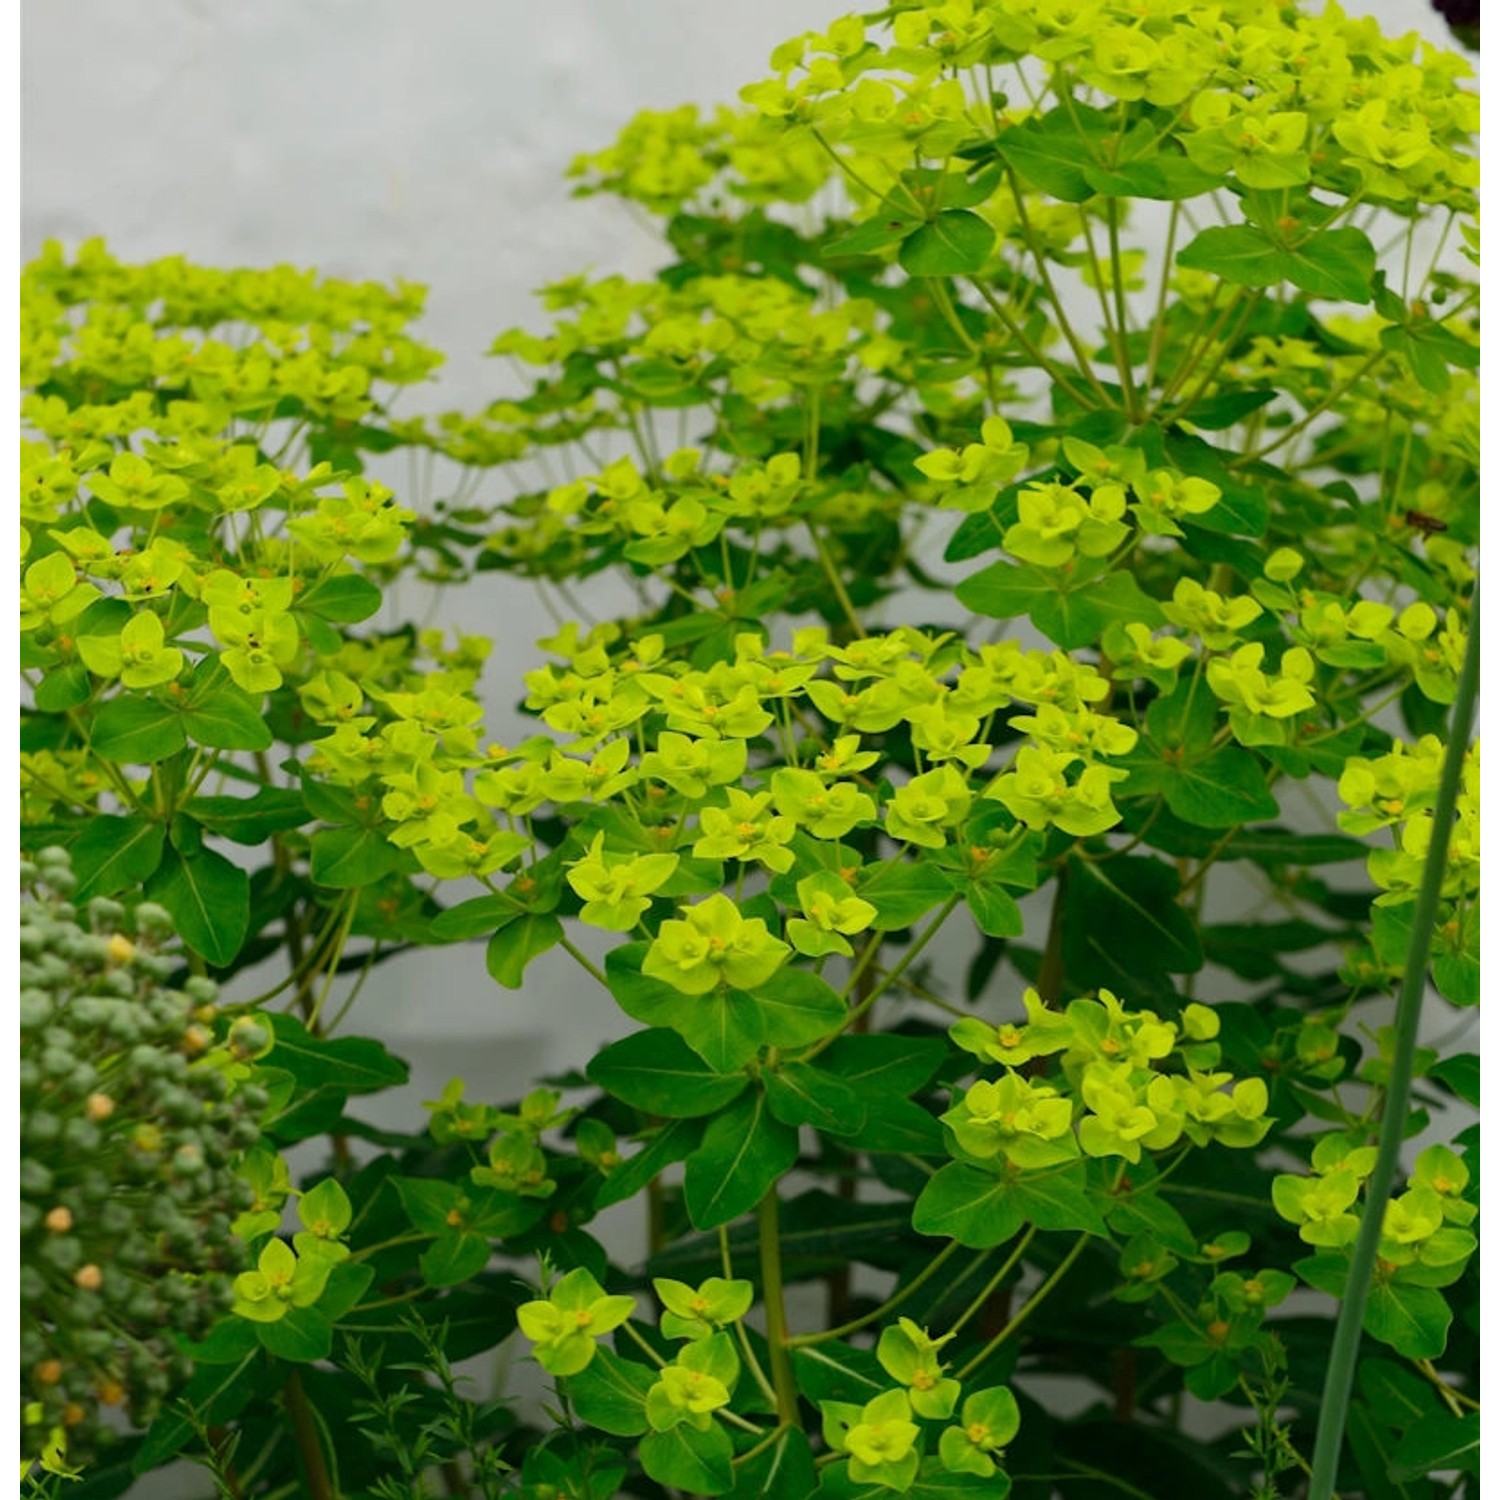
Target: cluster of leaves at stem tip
{"points": [[1038, 499]]}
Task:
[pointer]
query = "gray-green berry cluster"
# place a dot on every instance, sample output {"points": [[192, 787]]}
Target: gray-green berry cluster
{"points": [[133, 1115]]}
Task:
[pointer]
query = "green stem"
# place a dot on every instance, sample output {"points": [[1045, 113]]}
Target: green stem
{"points": [[993, 1284], [1117, 274], [746, 1348], [1455, 1401], [758, 1449], [1032, 1303], [806, 1340], [907, 959], [836, 583], [1019, 334], [1346, 1336], [644, 1347], [774, 1295], [305, 1435], [1314, 412], [583, 959], [1085, 364]]}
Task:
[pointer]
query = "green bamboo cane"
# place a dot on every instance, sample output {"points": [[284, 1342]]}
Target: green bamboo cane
{"points": [[1346, 1335]]}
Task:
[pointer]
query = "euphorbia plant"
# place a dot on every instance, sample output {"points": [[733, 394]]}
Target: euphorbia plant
{"points": [[1120, 329]]}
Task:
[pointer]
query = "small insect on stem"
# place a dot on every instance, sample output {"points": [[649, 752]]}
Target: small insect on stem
{"points": [[1419, 520]]}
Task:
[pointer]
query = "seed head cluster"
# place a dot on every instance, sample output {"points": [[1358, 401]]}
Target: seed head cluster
{"points": [[133, 1115]]}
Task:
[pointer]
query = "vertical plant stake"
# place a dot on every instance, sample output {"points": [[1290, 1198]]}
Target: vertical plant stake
{"points": [[1044, 481]]}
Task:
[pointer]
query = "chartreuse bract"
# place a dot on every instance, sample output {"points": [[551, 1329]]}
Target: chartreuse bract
{"points": [[1045, 467]]}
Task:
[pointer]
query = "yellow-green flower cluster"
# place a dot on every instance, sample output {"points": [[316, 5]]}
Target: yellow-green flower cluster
{"points": [[564, 1326], [1277, 97], [1426, 1225], [295, 1276], [1111, 1096], [1397, 791], [664, 159], [158, 534]]}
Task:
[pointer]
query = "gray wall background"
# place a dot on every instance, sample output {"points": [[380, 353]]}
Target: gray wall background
{"points": [[380, 139]]}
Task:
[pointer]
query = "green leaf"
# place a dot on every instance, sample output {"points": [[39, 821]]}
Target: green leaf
{"points": [[1059, 1200], [1373, 1446], [343, 858], [428, 1201], [454, 1257], [886, 228], [137, 731], [1122, 920], [698, 1462], [1237, 253], [898, 1125], [901, 892], [1117, 596], [1437, 1444], [63, 688], [1225, 408], [114, 853], [837, 1371], [656, 1071], [995, 911], [1221, 790], [1336, 263], [801, 1094], [302, 1337], [1413, 1320], [474, 918], [724, 1027], [797, 1007], [1051, 153], [209, 899], [228, 1342], [1333, 263], [965, 1203], [957, 243], [1183, 720], [884, 1064], [516, 944], [225, 717], [1165, 179], [351, 1064], [1145, 1212], [347, 1284], [744, 1151], [1275, 847], [346, 598], [610, 1394], [1069, 610], [219, 1392], [1070, 618], [1429, 349], [783, 1472], [1004, 591], [249, 820], [933, 1482], [668, 1145], [1400, 1395], [1461, 1074]]}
